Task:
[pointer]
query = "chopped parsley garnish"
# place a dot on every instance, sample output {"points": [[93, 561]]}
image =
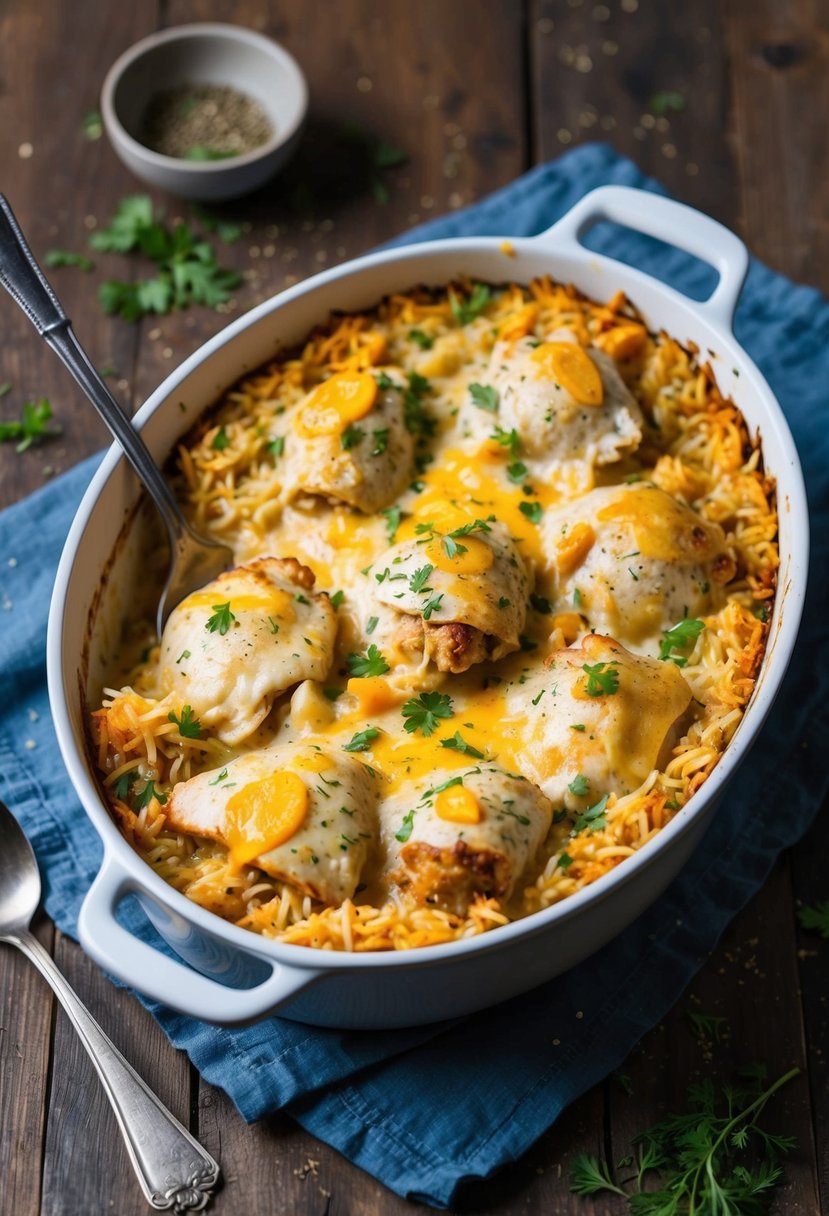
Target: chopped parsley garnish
{"points": [[577, 598], [362, 741], [337, 598], [458, 744], [468, 308], [681, 638], [816, 917], [424, 713], [503, 602], [372, 623], [332, 693], [541, 604], [277, 446], [121, 788], [527, 643], [420, 578], [393, 517], [405, 829], [64, 257], [477, 525], [148, 793], [381, 441], [415, 417], [533, 511], [565, 861], [221, 777], [451, 547], [507, 439], [186, 267], [578, 726], [517, 472], [221, 440], [579, 786], [371, 663], [351, 437], [423, 340], [593, 818], [602, 679], [485, 397], [32, 425], [384, 381], [432, 606], [221, 620], [185, 654], [301, 599], [188, 726], [273, 625]]}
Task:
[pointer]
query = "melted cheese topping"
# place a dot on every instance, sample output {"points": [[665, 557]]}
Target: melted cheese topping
{"points": [[459, 722]]}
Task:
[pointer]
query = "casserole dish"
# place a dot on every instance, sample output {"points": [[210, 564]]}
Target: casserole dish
{"points": [[239, 976]]}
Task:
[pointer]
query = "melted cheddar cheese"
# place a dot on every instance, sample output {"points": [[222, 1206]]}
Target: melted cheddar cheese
{"points": [[501, 558]]}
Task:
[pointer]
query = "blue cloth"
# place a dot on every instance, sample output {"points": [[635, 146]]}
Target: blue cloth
{"points": [[423, 1110]]}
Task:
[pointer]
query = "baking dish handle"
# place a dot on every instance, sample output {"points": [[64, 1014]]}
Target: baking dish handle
{"points": [[167, 980], [669, 221]]}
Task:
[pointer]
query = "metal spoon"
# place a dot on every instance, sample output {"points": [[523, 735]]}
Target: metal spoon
{"points": [[174, 1171], [194, 560]]}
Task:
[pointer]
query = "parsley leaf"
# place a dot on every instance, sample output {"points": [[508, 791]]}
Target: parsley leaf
{"points": [[815, 916], [432, 606], [468, 308], [393, 517], [187, 268], [277, 446], [423, 713], [221, 620], [148, 793], [485, 397], [64, 257], [458, 744], [579, 786], [381, 441], [351, 437], [533, 511], [221, 440], [681, 638], [32, 425], [371, 663], [541, 604], [507, 439], [362, 740], [423, 340], [602, 679], [420, 578], [188, 726], [593, 818], [405, 829], [517, 472], [337, 598], [416, 420]]}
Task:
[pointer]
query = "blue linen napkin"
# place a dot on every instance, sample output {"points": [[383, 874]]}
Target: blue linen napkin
{"points": [[424, 1110]]}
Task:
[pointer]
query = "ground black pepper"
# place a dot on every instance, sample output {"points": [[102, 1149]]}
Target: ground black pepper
{"points": [[204, 122]]}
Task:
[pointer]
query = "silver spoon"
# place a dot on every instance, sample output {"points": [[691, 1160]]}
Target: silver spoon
{"points": [[174, 1171], [195, 560]]}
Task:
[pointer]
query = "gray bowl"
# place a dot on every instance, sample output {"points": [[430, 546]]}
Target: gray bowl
{"points": [[205, 54]]}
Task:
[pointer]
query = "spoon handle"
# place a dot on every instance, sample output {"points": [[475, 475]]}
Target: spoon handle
{"points": [[26, 283], [174, 1171]]}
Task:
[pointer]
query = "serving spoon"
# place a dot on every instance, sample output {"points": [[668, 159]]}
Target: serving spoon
{"points": [[174, 1171], [194, 559]]}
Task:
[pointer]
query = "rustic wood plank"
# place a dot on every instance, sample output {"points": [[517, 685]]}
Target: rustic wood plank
{"points": [[26, 1007], [57, 181], [606, 71], [780, 83], [86, 1168], [290, 1171], [404, 74]]}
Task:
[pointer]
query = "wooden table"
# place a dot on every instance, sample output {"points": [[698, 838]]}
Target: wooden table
{"points": [[475, 92]]}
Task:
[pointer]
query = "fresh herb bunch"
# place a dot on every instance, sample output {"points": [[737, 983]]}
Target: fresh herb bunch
{"points": [[187, 271], [699, 1156]]}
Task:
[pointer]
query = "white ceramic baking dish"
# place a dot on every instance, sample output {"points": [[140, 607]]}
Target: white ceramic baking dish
{"points": [[229, 975]]}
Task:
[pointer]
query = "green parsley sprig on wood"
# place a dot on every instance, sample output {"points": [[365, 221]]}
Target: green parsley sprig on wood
{"points": [[186, 268], [697, 1159]]}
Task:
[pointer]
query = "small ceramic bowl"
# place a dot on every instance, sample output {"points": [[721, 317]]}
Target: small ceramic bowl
{"points": [[199, 55]]}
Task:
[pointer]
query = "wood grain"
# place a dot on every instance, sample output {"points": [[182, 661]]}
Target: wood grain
{"points": [[25, 1039], [472, 94], [86, 1167]]}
